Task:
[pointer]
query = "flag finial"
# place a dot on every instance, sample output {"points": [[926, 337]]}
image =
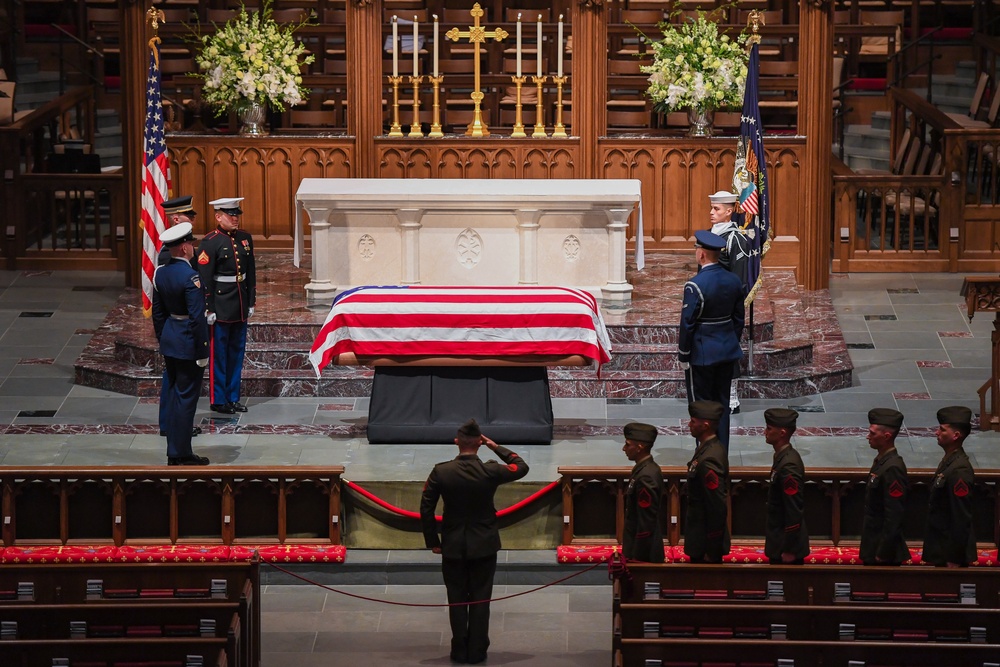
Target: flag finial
{"points": [[754, 21], [155, 17]]}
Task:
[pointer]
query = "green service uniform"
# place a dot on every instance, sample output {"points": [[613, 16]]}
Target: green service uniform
{"points": [[706, 534], [948, 537], [643, 537], [886, 493], [786, 524]]}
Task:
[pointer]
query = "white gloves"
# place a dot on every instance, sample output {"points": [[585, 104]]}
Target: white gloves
{"points": [[250, 312], [685, 365], [202, 363], [211, 319]]}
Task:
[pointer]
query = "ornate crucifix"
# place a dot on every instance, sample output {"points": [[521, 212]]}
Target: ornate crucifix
{"points": [[476, 35]]}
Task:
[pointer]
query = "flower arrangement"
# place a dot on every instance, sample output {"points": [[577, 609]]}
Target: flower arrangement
{"points": [[252, 60], [697, 68]]}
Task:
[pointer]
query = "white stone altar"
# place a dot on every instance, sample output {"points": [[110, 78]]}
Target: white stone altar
{"points": [[567, 232]]}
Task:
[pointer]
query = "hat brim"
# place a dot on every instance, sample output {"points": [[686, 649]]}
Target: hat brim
{"points": [[232, 211]]}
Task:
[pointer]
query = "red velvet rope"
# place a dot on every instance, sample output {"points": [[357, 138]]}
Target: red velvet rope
{"points": [[416, 515]]}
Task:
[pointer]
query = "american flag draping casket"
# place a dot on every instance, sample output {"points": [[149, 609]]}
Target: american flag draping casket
{"points": [[474, 323]]}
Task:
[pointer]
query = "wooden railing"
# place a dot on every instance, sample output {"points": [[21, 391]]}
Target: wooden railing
{"points": [[213, 506], [594, 502]]}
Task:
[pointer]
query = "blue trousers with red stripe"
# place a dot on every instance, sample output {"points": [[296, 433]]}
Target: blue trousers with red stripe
{"points": [[229, 344]]}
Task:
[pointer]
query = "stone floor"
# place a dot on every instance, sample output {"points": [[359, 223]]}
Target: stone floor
{"points": [[910, 341]]}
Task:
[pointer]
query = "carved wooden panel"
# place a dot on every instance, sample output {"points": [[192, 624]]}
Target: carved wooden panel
{"points": [[478, 158], [265, 171]]}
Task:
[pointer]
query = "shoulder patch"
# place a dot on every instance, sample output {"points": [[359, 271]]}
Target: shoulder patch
{"points": [[645, 499], [203, 257], [961, 489], [711, 480], [790, 486], [196, 280], [896, 489]]}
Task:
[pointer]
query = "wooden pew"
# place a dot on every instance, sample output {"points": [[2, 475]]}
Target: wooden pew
{"points": [[804, 614]]}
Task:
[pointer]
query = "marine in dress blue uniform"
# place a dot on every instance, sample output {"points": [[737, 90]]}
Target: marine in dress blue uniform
{"points": [[175, 211], [786, 540], [886, 493], [228, 274], [949, 539], [182, 331], [470, 537], [642, 536], [706, 533], [710, 328]]}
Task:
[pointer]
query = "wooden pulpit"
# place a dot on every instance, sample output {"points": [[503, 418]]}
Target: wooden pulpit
{"points": [[982, 294]]}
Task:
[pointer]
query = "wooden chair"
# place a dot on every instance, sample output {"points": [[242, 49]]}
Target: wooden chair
{"points": [[527, 15], [977, 101], [309, 118], [881, 46]]}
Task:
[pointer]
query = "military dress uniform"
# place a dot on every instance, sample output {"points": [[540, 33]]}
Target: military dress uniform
{"points": [[886, 493], [228, 274], [948, 537], [786, 524], [643, 536], [706, 534], [709, 335], [182, 331], [469, 539]]}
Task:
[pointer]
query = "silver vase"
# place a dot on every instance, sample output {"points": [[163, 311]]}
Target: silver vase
{"points": [[700, 122], [253, 118]]}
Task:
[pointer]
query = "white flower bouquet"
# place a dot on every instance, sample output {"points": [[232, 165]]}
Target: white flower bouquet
{"points": [[252, 60], [695, 67]]}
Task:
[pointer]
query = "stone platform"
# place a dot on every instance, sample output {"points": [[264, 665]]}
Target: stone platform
{"points": [[798, 346]]}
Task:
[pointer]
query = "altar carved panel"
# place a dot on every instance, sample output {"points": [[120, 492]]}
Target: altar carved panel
{"points": [[265, 171]]}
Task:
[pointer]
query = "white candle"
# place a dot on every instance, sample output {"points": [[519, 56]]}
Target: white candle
{"points": [[559, 45], [538, 51], [519, 44], [435, 46], [395, 49], [415, 49]]}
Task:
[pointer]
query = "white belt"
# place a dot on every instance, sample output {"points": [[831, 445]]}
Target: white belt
{"points": [[231, 279], [179, 317]]}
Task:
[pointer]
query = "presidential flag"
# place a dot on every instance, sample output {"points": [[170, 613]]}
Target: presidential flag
{"points": [[750, 177], [483, 322], [155, 177]]}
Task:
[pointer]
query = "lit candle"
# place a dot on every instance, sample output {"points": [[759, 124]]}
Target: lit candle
{"points": [[519, 44], [415, 49], [538, 51], [559, 45], [395, 49], [435, 46]]}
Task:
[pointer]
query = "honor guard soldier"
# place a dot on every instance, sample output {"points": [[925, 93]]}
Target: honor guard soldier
{"points": [[886, 493], [786, 540], [175, 211], [706, 535], [469, 535], [734, 257], [228, 273], [711, 324], [643, 535], [948, 538], [182, 330]]}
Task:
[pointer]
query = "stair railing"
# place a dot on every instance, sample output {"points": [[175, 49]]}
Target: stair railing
{"points": [[902, 72], [62, 60]]}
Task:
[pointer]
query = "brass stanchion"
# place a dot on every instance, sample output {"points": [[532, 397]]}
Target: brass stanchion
{"points": [[559, 130], [436, 120], [518, 121], [396, 130], [415, 127], [539, 110]]}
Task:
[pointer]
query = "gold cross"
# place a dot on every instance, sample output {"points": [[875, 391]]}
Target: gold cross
{"points": [[477, 35]]}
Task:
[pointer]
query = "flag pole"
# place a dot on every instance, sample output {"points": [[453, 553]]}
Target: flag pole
{"points": [[754, 20]]}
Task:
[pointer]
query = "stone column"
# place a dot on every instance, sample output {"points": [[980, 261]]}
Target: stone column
{"points": [[617, 290], [320, 285], [409, 230], [527, 234]]}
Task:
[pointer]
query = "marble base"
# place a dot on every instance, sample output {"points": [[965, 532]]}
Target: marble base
{"points": [[798, 346]]}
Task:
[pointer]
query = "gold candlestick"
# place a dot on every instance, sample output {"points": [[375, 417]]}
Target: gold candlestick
{"points": [[415, 127], [559, 130], [518, 122], [395, 130], [539, 111], [436, 123]]}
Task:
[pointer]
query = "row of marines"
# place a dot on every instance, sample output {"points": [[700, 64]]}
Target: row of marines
{"points": [[948, 535]]}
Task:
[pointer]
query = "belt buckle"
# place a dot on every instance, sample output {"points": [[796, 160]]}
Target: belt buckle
{"points": [[239, 277]]}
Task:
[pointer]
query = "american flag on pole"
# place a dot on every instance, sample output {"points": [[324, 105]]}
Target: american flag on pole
{"points": [[155, 177], [484, 322], [750, 176]]}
